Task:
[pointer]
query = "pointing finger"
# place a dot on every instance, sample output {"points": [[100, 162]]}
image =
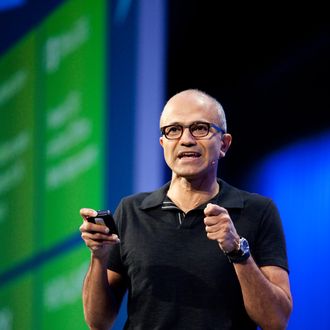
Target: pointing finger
{"points": [[213, 210]]}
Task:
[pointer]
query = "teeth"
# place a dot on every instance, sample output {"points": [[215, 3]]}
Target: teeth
{"points": [[189, 154]]}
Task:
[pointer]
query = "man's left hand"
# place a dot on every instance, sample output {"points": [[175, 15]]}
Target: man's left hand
{"points": [[219, 227]]}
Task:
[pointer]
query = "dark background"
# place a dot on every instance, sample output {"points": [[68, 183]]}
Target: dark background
{"points": [[268, 66]]}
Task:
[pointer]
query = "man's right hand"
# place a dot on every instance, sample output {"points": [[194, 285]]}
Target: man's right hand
{"points": [[96, 237]]}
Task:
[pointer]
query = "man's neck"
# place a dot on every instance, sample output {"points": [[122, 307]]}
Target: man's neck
{"points": [[189, 194]]}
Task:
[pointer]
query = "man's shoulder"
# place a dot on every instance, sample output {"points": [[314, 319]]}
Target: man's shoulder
{"points": [[232, 192], [255, 205]]}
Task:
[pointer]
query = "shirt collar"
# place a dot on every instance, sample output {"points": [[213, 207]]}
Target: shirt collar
{"points": [[169, 205], [229, 197]]}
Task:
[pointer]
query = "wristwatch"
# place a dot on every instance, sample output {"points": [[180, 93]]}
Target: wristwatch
{"points": [[240, 255]]}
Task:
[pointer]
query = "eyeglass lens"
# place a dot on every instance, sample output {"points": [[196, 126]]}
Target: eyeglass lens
{"points": [[196, 129]]}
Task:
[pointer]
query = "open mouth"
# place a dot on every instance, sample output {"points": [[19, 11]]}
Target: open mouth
{"points": [[189, 155]]}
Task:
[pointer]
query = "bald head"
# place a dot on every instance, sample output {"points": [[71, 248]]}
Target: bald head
{"points": [[193, 98]]}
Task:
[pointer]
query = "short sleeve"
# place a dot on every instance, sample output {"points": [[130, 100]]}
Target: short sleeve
{"points": [[270, 247]]}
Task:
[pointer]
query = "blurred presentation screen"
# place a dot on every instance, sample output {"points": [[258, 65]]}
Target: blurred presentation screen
{"points": [[298, 179], [52, 142]]}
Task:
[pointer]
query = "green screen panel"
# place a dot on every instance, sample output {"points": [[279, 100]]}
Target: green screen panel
{"points": [[17, 134], [61, 290], [72, 115], [52, 147], [17, 304]]}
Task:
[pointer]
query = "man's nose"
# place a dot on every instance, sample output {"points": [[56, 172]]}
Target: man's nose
{"points": [[187, 137]]}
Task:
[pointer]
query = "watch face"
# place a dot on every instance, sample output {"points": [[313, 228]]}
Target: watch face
{"points": [[244, 245], [242, 254]]}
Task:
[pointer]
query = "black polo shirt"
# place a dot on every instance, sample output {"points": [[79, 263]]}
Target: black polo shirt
{"points": [[178, 278]]}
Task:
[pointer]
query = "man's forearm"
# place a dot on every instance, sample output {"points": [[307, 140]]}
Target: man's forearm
{"points": [[267, 303], [100, 305]]}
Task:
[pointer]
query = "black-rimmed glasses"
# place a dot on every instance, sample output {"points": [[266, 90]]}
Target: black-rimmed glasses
{"points": [[197, 129]]}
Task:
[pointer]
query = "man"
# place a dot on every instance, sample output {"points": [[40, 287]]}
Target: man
{"points": [[197, 253]]}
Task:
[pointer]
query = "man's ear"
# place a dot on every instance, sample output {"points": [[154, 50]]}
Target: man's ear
{"points": [[225, 144], [161, 140]]}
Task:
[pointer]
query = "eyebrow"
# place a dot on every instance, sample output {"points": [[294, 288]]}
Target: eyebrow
{"points": [[193, 122], [175, 123]]}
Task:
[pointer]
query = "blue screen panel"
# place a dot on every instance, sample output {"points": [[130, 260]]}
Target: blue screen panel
{"points": [[10, 4], [298, 179]]}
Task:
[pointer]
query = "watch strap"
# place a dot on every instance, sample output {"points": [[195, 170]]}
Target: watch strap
{"points": [[240, 255]]}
